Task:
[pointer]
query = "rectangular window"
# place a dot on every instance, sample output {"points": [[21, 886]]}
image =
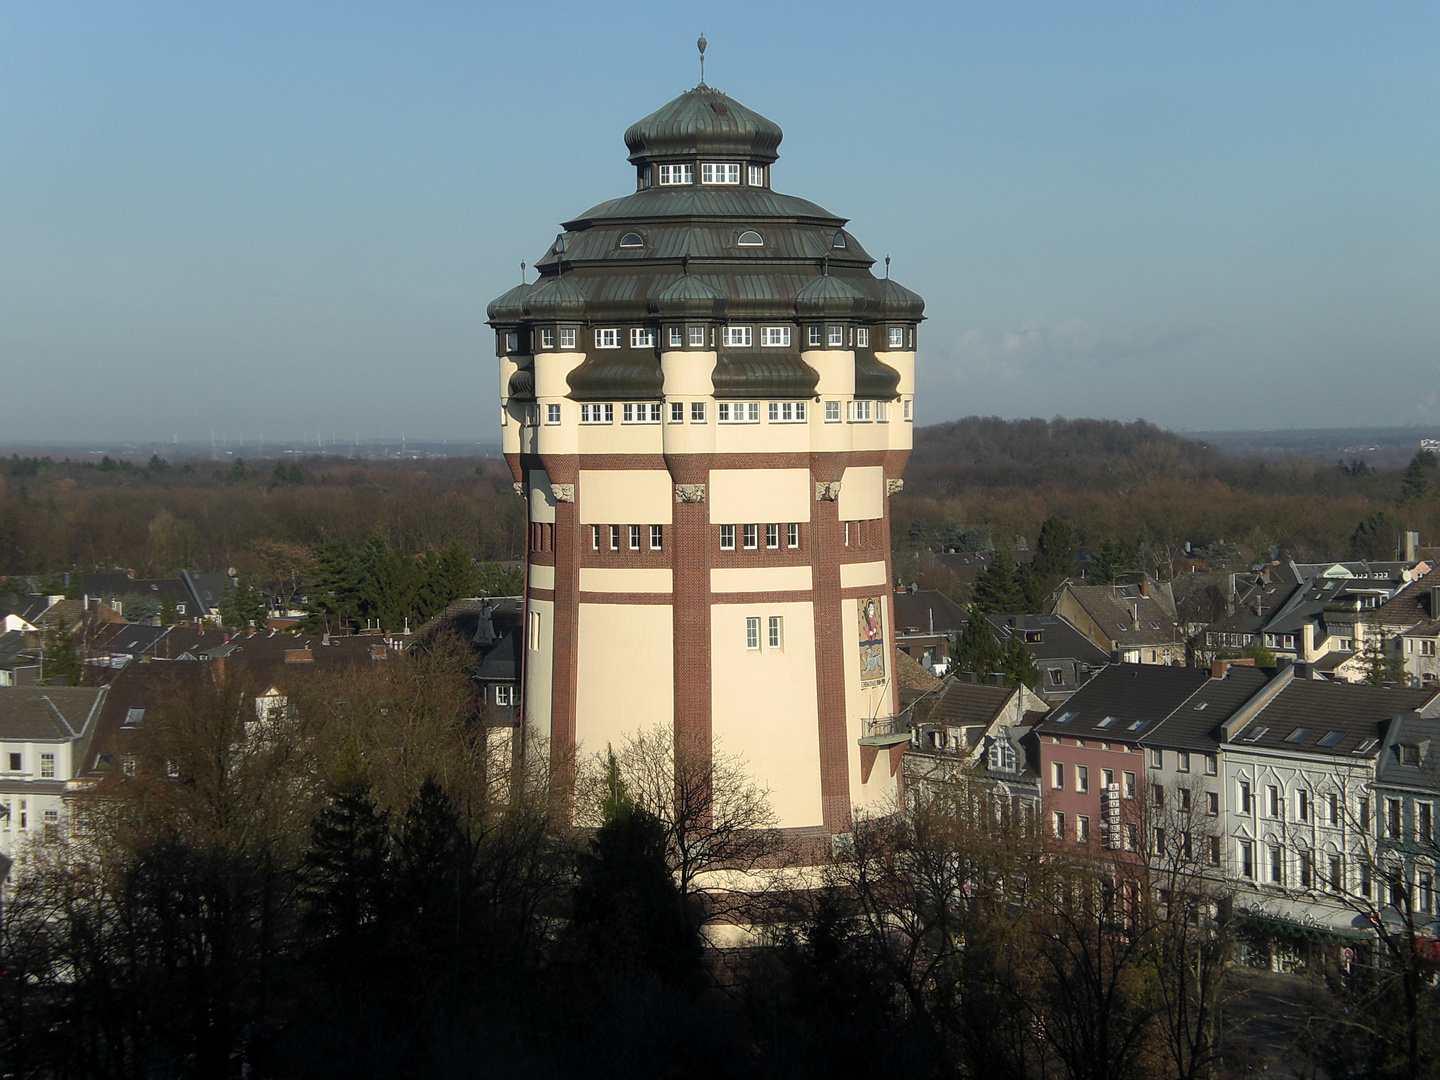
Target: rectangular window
{"points": [[567, 338], [502, 695], [792, 535], [534, 630], [897, 337], [1306, 869], [909, 412], [1364, 815], [774, 337], [1129, 784], [1107, 781], [642, 338], [1057, 775], [552, 414], [720, 172], [16, 761], [657, 534], [1211, 765], [772, 536], [1336, 881], [1212, 803], [786, 412], [1132, 836], [1157, 796], [597, 413], [727, 537], [512, 342], [595, 537], [832, 412], [50, 817], [1425, 891], [1302, 806], [607, 339], [1392, 818], [677, 412], [47, 766], [1244, 796], [777, 631], [1059, 821], [614, 537], [738, 412], [860, 412], [677, 174], [835, 336], [752, 537], [634, 537], [1159, 842], [547, 338], [1332, 816], [640, 412], [1082, 829], [1082, 778], [815, 336], [1365, 879], [752, 633], [1184, 794], [1247, 859], [1214, 850], [697, 337], [1424, 821], [757, 176], [862, 337], [1277, 866], [737, 337], [1157, 759], [1182, 761], [697, 412], [1272, 801], [677, 337]]}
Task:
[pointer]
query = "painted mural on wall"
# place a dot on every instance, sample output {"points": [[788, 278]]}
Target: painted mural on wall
{"points": [[872, 640]]}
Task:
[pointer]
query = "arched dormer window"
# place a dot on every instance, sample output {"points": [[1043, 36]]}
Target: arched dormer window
{"points": [[839, 241], [632, 240], [750, 238]]}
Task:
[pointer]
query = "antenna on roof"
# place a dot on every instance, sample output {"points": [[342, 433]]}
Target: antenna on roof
{"points": [[700, 44], [887, 267]]}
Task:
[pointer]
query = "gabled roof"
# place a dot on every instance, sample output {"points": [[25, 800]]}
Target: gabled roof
{"points": [[1117, 609], [47, 713], [1058, 639], [920, 611], [1418, 768], [1124, 702], [128, 639], [1411, 605], [965, 704], [1193, 723], [1339, 719]]}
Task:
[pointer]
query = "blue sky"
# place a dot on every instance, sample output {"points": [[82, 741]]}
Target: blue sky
{"points": [[285, 218]]}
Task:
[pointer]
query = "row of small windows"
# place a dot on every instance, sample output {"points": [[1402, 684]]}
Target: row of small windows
{"points": [[711, 172], [750, 536], [774, 632], [610, 537], [734, 337], [728, 412], [748, 238]]}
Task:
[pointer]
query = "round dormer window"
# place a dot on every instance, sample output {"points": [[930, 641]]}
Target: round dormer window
{"points": [[632, 240], [750, 238]]}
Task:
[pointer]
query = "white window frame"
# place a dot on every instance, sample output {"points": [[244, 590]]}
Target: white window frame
{"points": [[815, 336], [696, 337], [775, 632], [909, 410], [567, 337], [772, 537], [607, 338], [727, 537], [835, 335], [594, 537], [697, 412], [786, 412], [720, 172], [750, 537], [897, 337], [547, 337], [680, 173], [642, 337], [832, 412], [47, 766], [860, 412], [862, 337], [882, 412], [792, 535], [634, 537], [737, 337], [752, 633], [640, 412], [614, 537], [737, 412], [775, 337], [677, 412], [597, 412], [502, 695], [677, 337], [755, 176], [657, 537], [552, 414]]}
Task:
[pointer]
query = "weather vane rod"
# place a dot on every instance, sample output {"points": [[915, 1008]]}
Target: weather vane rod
{"points": [[701, 45]]}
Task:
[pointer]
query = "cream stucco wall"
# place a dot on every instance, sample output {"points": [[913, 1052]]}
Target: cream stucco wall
{"points": [[626, 496], [746, 496], [542, 577], [539, 667], [862, 704], [837, 371], [618, 438], [621, 579], [625, 672], [542, 499], [688, 373], [853, 575], [763, 705], [760, 579], [862, 493]]}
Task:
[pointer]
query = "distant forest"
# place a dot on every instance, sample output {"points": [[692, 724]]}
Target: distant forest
{"points": [[978, 482]]}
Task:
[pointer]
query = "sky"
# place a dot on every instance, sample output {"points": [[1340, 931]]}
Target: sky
{"points": [[287, 219]]}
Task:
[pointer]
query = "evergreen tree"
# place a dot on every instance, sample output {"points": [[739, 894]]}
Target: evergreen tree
{"points": [[1030, 585], [1375, 538], [995, 587], [447, 575], [61, 663], [1415, 483], [1110, 561], [242, 603], [1056, 549], [335, 600], [1383, 662], [388, 583], [1018, 664], [433, 879], [978, 649]]}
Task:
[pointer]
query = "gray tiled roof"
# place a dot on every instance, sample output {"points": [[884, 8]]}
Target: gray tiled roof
{"points": [[1124, 702], [1193, 724], [1344, 716], [47, 713]]}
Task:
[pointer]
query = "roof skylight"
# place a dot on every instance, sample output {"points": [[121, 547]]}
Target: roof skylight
{"points": [[1366, 745], [1256, 735], [1299, 735], [1330, 738]]}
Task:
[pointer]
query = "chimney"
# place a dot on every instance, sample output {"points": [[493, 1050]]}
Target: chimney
{"points": [[1412, 540], [1145, 586], [997, 678], [1307, 641], [1134, 616], [1435, 601]]}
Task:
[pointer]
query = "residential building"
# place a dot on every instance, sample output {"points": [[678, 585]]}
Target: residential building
{"points": [[1065, 658], [926, 625], [707, 400], [1130, 622]]}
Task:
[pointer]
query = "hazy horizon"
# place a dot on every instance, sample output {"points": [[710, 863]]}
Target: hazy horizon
{"points": [[289, 220]]}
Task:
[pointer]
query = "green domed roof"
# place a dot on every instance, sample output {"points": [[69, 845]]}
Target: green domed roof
{"points": [[555, 298], [509, 306], [834, 296], [898, 302], [689, 295], [703, 121]]}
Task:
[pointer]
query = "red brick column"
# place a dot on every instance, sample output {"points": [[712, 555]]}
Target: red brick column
{"points": [[832, 637], [691, 540]]}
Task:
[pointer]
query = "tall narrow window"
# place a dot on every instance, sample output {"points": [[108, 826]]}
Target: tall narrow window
{"points": [[614, 537], [777, 631], [677, 412], [862, 337], [1247, 859], [1336, 880], [47, 766], [595, 537], [727, 537], [815, 336], [534, 630], [792, 535], [547, 338], [634, 537], [752, 633], [772, 536], [752, 537], [657, 534], [756, 175]]}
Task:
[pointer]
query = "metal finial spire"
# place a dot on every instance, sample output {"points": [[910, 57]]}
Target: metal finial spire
{"points": [[522, 273], [700, 44], [887, 267]]}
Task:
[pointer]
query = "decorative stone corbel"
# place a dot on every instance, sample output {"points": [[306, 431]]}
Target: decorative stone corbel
{"points": [[827, 490], [519, 486], [894, 487], [563, 492], [689, 493]]}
